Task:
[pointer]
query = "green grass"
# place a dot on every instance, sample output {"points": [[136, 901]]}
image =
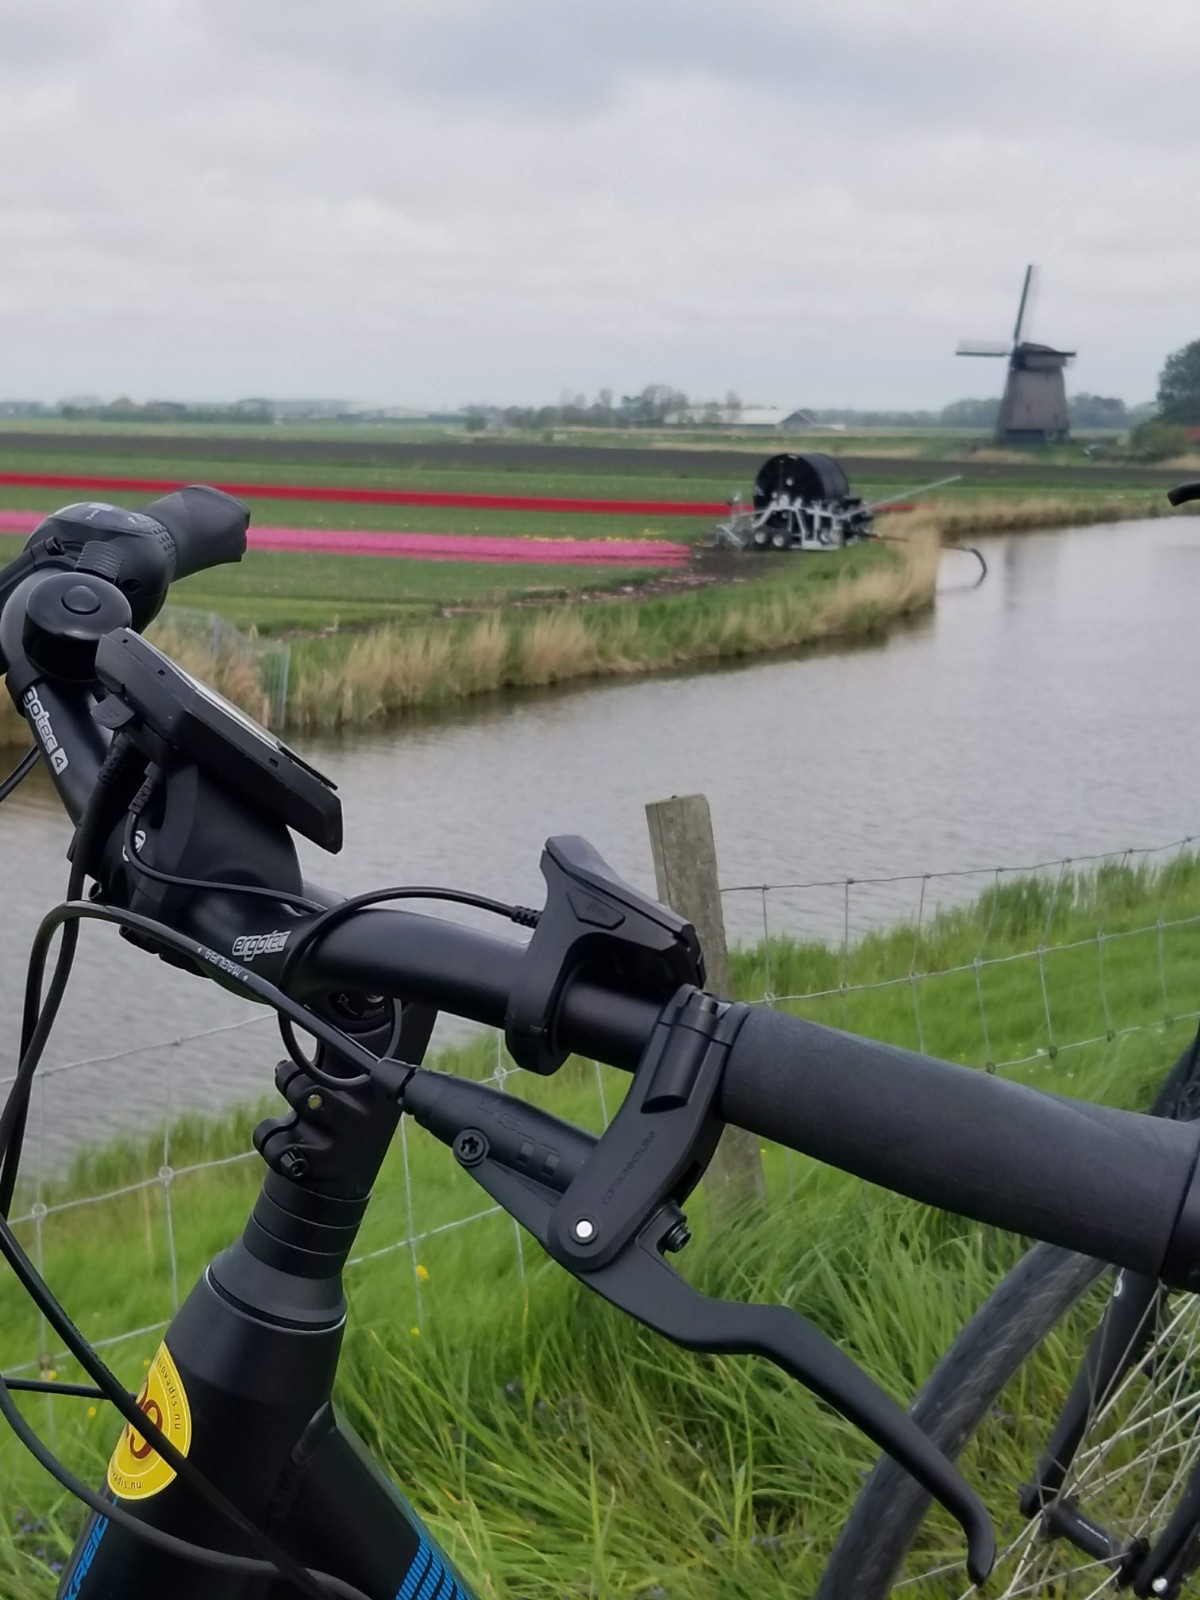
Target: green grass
{"points": [[277, 592], [558, 1449], [650, 481], [284, 592]]}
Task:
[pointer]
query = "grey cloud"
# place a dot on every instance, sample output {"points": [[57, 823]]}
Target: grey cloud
{"points": [[44, 38], [931, 62], [441, 200]]}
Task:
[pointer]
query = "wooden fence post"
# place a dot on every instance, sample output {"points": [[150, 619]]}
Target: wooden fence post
{"points": [[685, 872]]}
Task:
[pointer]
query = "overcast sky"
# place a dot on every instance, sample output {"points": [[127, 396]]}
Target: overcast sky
{"points": [[434, 201]]}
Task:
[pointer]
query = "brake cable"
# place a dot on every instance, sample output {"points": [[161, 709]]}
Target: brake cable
{"points": [[331, 916], [318, 1585], [68, 915], [38, 1017], [20, 772]]}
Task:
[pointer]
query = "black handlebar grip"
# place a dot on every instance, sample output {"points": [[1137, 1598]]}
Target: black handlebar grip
{"points": [[1183, 492], [206, 526], [1104, 1182]]}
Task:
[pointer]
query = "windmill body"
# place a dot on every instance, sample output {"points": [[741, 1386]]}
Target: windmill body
{"points": [[1034, 407]]}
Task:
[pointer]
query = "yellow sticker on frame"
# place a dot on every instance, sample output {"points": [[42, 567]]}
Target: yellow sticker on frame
{"points": [[136, 1470]]}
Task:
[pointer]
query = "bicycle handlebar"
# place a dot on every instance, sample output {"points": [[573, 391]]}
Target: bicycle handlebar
{"points": [[1113, 1184], [206, 527], [1106, 1183]]}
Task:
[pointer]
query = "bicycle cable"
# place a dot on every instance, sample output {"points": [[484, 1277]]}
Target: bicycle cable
{"points": [[320, 1585], [207, 886], [20, 772], [42, 1015], [330, 916], [278, 1562], [327, 916]]}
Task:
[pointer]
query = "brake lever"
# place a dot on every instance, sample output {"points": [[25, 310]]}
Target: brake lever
{"points": [[609, 1214], [642, 1283]]}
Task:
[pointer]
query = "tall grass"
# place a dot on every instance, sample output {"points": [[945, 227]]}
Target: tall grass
{"points": [[393, 670], [955, 518], [231, 670], [356, 679], [558, 1449]]}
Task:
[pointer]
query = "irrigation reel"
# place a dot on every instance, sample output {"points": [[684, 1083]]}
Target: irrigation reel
{"points": [[804, 502]]}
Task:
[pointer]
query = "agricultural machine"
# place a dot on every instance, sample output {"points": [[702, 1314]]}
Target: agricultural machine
{"points": [[803, 502]]}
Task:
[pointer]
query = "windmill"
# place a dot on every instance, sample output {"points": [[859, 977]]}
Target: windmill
{"points": [[1034, 407]]}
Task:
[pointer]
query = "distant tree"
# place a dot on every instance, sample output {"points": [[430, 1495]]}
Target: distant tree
{"points": [[656, 401], [1179, 386], [970, 414], [1097, 411], [1158, 441]]}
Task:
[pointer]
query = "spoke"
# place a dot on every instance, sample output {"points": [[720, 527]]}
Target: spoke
{"points": [[1184, 1369], [1012, 1592], [1087, 1476], [1140, 1446], [933, 1572]]}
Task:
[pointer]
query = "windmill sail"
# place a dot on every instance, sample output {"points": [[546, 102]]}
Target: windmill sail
{"points": [[1021, 307]]}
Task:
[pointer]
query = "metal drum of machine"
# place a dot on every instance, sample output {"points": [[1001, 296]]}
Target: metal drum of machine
{"points": [[799, 502]]}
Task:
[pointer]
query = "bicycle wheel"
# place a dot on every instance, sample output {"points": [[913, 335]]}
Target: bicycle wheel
{"points": [[993, 1402]]}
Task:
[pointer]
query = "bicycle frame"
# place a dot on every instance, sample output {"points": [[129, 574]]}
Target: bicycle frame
{"points": [[251, 1358]]}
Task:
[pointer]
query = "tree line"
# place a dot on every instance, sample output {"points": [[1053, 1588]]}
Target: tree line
{"points": [[660, 404]]}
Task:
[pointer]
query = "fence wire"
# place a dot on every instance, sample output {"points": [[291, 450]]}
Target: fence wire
{"points": [[1011, 969], [257, 670]]}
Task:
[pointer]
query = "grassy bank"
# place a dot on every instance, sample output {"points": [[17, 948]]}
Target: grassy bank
{"points": [[961, 517], [355, 678], [358, 677], [359, 680], [559, 1450]]}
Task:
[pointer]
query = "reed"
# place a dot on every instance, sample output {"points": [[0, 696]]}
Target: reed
{"points": [[229, 668], [394, 670], [965, 518]]}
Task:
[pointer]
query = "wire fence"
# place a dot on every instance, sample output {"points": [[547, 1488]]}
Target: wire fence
{"points": [[1061, 968], [260, 668]]}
